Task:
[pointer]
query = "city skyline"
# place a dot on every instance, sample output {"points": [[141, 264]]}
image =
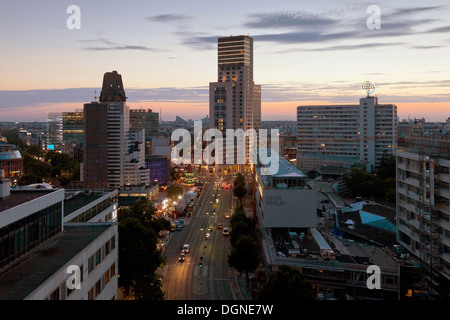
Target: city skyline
{"points": [[304, 54]]}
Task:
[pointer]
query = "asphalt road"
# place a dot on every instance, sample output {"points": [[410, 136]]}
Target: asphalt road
{"points": [[214, 280]]}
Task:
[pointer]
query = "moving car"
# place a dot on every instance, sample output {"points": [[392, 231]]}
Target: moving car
{"points": [[182, 257], [179, 227], [208, 236], [219, 226], [227, 216], [225, 231], [185, 248]]}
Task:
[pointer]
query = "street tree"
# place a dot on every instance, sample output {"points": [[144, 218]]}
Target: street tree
{"points": [[287, 283], [238, 230], [239, 191], [244, 255], [139, 259]]}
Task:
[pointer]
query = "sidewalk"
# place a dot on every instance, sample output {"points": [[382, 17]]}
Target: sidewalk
{"points": [[242, 286]]}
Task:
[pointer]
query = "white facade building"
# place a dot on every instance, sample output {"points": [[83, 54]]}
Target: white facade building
{"points": [[364, 131], [37, 247], [428, 238], [283, 200]]}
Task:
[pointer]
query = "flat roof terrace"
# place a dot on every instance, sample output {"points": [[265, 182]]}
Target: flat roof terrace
{"points": [[17, 197], [29, 273], [79, 201]]}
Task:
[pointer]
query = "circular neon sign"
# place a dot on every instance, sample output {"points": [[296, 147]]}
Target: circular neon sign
{"points": [[368, 87]]}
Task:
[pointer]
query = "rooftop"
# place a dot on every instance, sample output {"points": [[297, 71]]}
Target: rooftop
{"points": [[373, 222], [334, 170], [285, 169], [17, 197], [79, 200], [47, 259], [128, 201], [347, 252]]}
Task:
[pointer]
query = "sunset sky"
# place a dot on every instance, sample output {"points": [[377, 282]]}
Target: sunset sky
{"points": [[305, 52]]}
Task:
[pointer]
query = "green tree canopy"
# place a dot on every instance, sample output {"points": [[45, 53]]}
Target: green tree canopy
{"points": [[239, 191], [244, 255], [139, 259], [144, 211], [286, 283], [239, 179], [238, 230], [28, 179]]}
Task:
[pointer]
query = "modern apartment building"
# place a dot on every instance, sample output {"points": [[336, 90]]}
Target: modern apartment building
{"points": [[37, 249], [361, 132], [114, 155], [423, 203], [235, 100]]}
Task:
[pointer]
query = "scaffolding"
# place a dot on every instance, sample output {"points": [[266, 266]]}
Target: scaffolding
{"points": [[428, 216]]}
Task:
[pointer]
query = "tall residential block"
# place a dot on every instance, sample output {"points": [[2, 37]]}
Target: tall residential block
{"points": [[235, 100], [346, 134], [423, 205], [234, 95], [114, 155]]}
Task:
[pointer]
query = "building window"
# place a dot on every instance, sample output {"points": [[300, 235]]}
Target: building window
{"points": [[98, 288], [113, 270], [91, 294], [107, 247], [91, 264], [98, 257], [113, 243], [106, 277], [55, 295]]}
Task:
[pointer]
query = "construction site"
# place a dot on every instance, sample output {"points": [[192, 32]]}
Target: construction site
{"points": [[423, 210]]}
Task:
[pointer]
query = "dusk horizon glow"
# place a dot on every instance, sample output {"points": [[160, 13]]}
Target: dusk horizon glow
{"points": [[304, 54]]}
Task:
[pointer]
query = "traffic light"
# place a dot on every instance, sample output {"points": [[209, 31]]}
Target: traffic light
{"points": [[200, 264]]}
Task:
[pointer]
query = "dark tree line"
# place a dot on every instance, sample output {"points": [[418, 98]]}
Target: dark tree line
{"points": [[380, 185], [239, 190], [138, 254]]}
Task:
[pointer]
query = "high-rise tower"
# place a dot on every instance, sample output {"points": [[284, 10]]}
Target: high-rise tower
{"points": [[235, 100], [114, 154], [233, 96]]}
